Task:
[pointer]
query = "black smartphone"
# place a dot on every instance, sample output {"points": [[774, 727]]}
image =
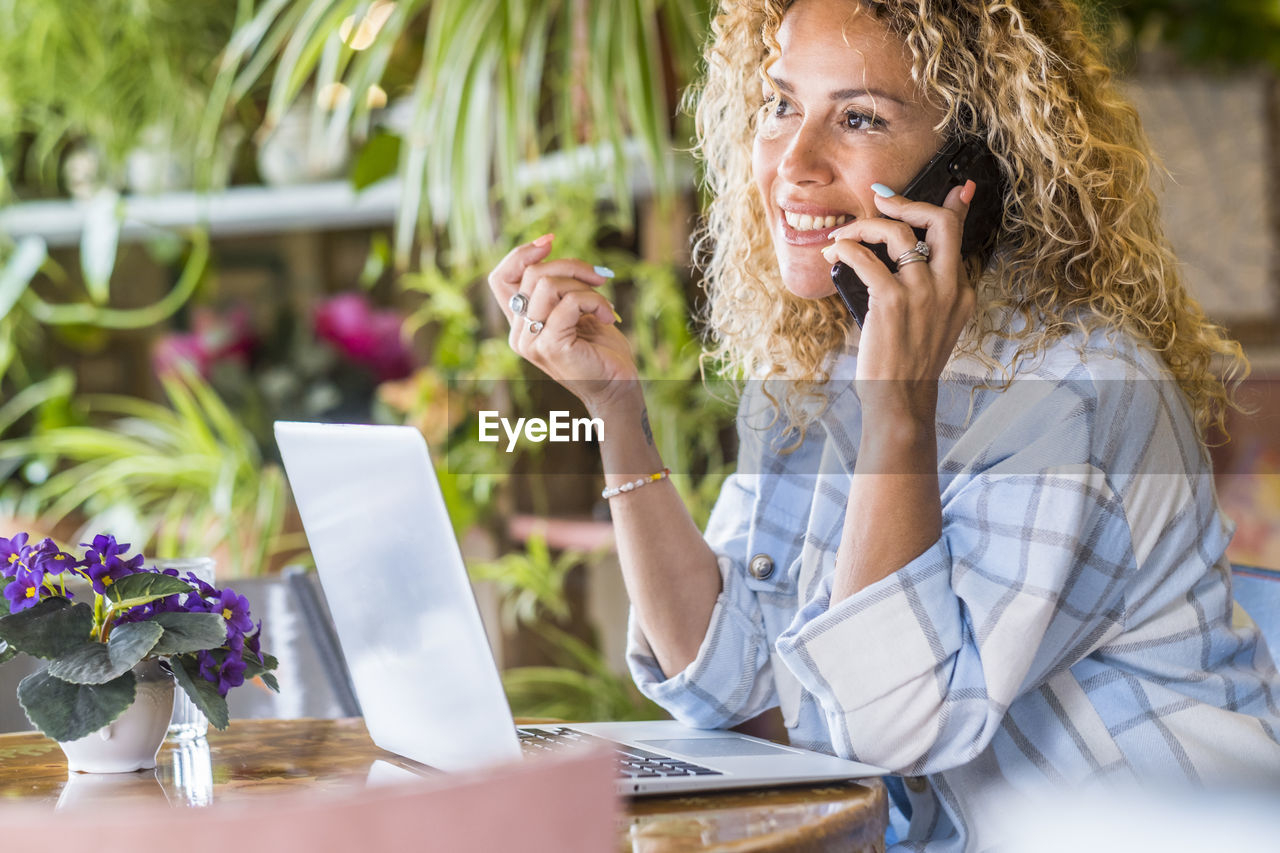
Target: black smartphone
{"points": [[958, 161]]}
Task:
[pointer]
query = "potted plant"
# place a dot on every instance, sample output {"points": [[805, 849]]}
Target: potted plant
{"points": [[106, 695]]}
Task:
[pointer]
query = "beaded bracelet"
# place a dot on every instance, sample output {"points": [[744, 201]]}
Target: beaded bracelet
{"points": [[614, 491]]}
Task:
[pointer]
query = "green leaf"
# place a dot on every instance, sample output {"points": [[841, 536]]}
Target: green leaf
{"points": [[98, 663], [144, 588], [189, 632], [67, 712], [6, 652], [59, 385], [254, 669], [269, 679], [18, 272], [98, 244], [52, 628], [203, 693], [377, 160]]}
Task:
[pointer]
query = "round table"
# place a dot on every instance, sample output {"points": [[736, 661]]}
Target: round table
{"points": [[257, 757]]}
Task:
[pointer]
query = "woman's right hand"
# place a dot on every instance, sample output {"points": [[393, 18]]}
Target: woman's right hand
{"points": [[577, 343]]}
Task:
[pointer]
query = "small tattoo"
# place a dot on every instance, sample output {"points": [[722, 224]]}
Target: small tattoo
{"points": [[644, 424]]}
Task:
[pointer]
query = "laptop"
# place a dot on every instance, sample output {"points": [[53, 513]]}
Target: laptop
{"points": [[420, 661]]}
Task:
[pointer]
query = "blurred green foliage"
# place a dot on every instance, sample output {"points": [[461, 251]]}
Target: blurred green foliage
{"points": [[175, 479], [103, 74], [1220, 34], [490, 84]]}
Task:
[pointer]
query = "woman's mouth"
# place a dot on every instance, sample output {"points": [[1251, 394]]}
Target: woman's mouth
{"points": [[805, 222], [804, 229]]}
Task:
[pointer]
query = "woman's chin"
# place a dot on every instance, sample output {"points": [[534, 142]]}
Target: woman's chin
{"points": [[810, 286]]}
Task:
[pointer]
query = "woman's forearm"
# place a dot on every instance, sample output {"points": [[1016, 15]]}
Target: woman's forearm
{"points": [[895, 508], [670, 573]]}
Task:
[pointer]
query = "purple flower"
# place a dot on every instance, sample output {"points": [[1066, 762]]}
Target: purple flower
{"points": [[48, 559], [24, 590], [203, 589], [104, 565], [197, 601], [225, 673], [253, 642], [235, 609], [103, 549], [13, 554]]}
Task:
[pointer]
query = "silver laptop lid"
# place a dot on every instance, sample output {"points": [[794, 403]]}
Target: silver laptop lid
{"points": [[395, 582]]}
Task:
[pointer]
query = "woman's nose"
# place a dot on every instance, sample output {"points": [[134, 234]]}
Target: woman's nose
{"points": [[806, 158]]}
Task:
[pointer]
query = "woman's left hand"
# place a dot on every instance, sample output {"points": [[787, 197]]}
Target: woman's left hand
{"points": [[915, 316]]}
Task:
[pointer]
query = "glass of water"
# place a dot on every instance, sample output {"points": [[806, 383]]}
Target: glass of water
{"points": [[188, 723]]}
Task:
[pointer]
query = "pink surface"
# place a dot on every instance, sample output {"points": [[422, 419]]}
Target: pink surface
{"points": [[551, 805]]}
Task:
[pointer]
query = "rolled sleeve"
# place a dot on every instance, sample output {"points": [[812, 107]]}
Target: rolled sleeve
{"points": [[910, 617], [723, 685], [916, 671]]}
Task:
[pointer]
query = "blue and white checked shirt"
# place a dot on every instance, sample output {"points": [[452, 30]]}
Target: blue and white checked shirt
{"points": [[1073, 623]]}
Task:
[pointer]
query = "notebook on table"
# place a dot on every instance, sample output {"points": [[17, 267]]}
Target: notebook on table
{"points": [[411, 633]]}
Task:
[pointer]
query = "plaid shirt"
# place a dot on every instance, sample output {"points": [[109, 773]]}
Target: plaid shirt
{"points": [[1072, 623]]}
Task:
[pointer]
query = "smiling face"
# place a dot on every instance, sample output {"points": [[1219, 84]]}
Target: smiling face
{"points": [[845, 115]]}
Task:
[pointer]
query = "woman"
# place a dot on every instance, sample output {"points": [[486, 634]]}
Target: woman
{"points": [[1010, 577]]}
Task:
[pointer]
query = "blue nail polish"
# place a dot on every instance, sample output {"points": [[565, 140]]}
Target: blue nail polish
{"points": [[883, 191], [604, 271]]}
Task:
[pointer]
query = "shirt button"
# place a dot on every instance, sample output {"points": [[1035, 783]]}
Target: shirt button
{"points": [[916, 784], [761, 566]]}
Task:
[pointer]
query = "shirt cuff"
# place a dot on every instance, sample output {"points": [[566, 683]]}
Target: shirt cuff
{"points": [[877, 640], [721, 687]]}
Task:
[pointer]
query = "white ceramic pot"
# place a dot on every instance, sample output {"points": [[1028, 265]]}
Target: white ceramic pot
{"points": [[132, 741]]}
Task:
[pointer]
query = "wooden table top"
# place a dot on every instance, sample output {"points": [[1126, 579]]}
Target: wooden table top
{"points": [[256, 757]]}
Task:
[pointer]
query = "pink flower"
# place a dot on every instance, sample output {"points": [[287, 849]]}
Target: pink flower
{"points": [[215, 337], [226, 335], [367, 337], [174, 351]]}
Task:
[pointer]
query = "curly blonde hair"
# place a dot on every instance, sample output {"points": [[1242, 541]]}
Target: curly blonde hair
{"points": [[1082, 246]]}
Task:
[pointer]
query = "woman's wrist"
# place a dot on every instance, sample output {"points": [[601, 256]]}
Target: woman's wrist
{"points": [[622, 400], [897, 444], [627, 448]]}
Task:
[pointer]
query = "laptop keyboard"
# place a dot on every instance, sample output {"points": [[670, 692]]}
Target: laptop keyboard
{"points": [[632, 762]]}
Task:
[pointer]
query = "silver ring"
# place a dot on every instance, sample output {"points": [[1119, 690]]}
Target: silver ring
{"points": [[534, 326], [910, 258], [519, 303], [921, 248]]}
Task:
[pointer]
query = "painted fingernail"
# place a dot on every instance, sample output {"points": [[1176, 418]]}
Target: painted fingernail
{"points": [[544, 240], [617, 318], [603, 271], [883, 191]]}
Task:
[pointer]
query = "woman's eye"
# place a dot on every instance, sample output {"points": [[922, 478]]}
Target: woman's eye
{"points": [[854, 120], [777, 107]]}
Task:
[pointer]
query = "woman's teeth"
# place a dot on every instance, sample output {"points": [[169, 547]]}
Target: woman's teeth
{"points": [[805, 222]]}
